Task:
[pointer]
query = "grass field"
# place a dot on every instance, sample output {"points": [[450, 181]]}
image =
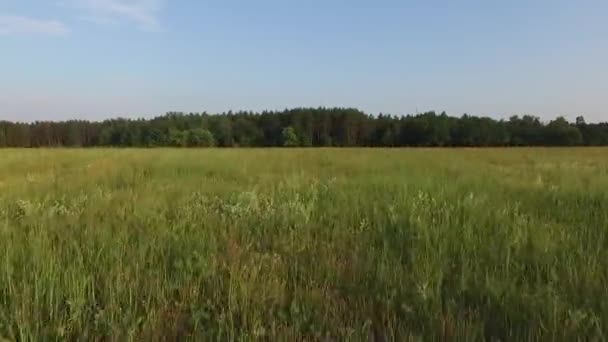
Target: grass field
{"points": [[318, 244]]}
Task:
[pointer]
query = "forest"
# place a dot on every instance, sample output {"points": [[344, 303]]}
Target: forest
{"points": [[305, 127]]}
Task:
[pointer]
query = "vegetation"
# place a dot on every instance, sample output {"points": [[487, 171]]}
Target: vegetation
{"points": [[306, 127], [327, 244], [290, 139]]}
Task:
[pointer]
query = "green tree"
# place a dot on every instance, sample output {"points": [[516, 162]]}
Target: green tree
{"points": [[311, 127], [246, 132], [561, 133], [223, 131], [3, 126], [580, 121], [199, 137], [290, 138], [177, 138]]}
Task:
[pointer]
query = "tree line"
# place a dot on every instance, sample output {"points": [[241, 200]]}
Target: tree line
{"points": [[306, 127]]}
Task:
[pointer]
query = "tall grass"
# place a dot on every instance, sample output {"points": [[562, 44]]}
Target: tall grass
{"points": [[327, 244]]}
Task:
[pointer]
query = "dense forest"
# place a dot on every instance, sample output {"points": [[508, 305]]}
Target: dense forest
{"points": [[341, 127]]}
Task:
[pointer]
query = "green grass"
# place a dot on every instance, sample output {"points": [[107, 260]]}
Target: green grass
{"points": [[319, 244]]}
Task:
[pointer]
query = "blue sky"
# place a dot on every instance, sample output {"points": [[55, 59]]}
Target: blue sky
{"points": [[97, 59]]}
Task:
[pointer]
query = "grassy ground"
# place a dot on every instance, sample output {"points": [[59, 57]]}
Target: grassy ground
{"points": [[349, 244]]}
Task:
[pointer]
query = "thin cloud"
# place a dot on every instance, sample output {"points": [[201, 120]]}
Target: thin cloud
{"points": [[143, 13], [13, 25]]}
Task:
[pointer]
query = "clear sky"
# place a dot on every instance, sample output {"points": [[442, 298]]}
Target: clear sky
{"points": [[96, 59]]}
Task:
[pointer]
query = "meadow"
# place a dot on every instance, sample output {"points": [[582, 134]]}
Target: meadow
{"points": [[304, 244]]}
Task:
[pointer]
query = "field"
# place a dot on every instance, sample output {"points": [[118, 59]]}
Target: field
{"points": [[304, 244]]}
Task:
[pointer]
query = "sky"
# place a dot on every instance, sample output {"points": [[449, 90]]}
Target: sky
{"points": [[97, 59]]}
